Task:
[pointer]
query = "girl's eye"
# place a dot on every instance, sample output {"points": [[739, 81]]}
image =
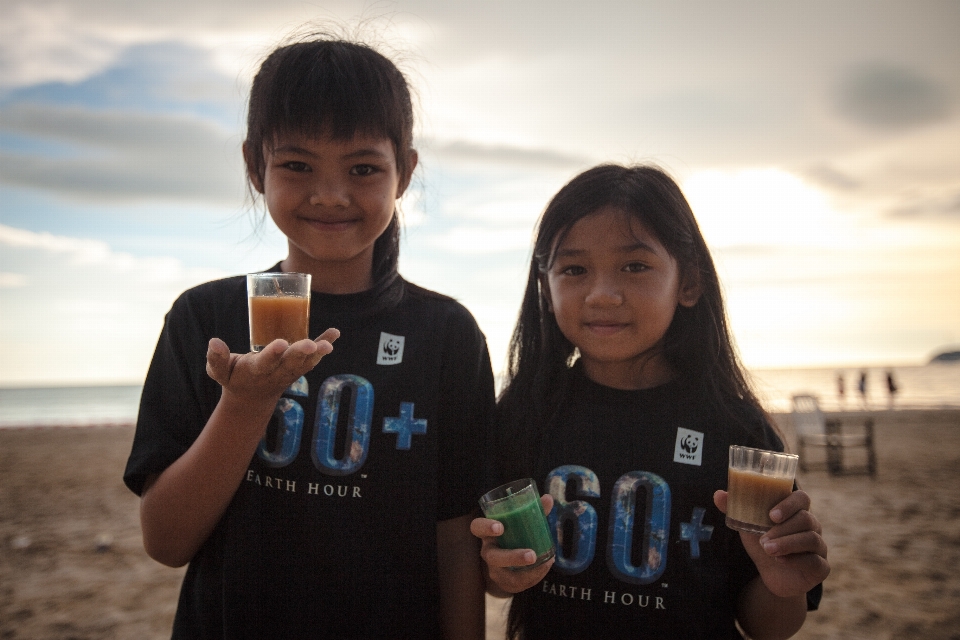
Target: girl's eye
{"points": [[635, 267], [573, 270], [363, 170], [299, 167]]}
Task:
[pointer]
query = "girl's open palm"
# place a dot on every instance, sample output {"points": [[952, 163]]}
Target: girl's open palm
{"points": [[791, 556], [267, 374]]}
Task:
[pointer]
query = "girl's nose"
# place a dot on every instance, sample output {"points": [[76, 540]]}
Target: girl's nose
{"points": [[329, 193], [604, 294]]}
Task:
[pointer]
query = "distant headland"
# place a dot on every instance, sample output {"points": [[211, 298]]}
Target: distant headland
{"points": [[946, 356]]}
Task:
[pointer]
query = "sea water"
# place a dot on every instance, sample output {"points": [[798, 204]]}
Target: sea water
{"points": [[68, 406], [931, 386]]}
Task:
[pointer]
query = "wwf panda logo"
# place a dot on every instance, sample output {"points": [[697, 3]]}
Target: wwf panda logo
{"points": [[690, 443], [391, 349], [689, 447]]}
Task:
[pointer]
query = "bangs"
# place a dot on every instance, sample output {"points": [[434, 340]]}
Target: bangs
{"points": [[339, 90], [642, 193]]}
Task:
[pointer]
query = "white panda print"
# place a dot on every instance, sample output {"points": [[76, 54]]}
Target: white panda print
{"points": [[689, 447], [391, 349]]}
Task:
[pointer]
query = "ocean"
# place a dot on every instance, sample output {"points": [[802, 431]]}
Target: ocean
{"points": [[68, 406], [932, 386]]}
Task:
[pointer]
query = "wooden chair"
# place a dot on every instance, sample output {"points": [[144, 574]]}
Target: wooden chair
{"points": [[814, 430]]}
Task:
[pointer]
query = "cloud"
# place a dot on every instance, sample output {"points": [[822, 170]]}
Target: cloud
{"points": [[44, 43], [155, 76], [946, 206], [112, 155], [82, 253], [481, 240], [157, 122], [886, 97], [830, 177], [761, 207], [914, 175], [464, 151], [93, 311], [9, 280], [135, 108], [59, 40]]}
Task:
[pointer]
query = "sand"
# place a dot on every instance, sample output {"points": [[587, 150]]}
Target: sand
{"points": [[72, 565]]}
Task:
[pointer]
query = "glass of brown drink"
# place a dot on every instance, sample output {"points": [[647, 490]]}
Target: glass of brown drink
{"points": [[757, 481], [279, 306]]}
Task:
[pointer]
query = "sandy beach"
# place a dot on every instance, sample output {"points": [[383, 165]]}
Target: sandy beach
{"points": [[72, 564]]}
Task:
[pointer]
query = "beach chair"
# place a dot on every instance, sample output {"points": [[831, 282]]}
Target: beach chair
{"points": [[814, 431]]}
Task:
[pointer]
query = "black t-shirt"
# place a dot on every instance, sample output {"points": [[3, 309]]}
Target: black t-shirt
{"points": [[332, 533], [643, 551]]}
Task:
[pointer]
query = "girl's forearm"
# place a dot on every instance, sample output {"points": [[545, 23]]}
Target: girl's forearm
{"points": [[764, 616], [461, 581], [180, 507]]}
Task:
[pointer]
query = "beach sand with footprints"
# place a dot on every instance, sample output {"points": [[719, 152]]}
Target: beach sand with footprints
{"points": [[72, 563]]}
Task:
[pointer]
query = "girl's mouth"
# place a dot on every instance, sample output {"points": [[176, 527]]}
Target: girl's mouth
{"points": [[329, 225], [605, 328]]}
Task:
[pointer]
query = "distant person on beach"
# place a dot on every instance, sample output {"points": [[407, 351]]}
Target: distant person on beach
{"points": [[862, 388], [841, 390], [321, 492], [624, 394], [891, 388]]}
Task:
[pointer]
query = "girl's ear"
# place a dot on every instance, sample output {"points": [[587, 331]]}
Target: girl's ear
{"points": [[252, 174], [412, 158], [690, 291]]}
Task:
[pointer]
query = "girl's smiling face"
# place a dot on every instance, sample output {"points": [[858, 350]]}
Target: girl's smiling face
{"points": [[332, 199], [613, 290]]}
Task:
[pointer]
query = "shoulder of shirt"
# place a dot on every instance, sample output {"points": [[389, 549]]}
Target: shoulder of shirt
{"points": [[417, 291], [214, 289], [452, 305], [754, 423], [220, 285], [455, 315]]}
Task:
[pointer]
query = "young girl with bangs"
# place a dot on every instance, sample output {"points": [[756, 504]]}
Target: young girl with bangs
{"points": [[622, 398], [321, 492]]}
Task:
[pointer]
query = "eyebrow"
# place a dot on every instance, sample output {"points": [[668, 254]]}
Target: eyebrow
{"points": [[358, 153], [639, 245]]}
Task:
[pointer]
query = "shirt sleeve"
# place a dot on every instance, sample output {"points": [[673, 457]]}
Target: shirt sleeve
{"points": [[171, 413]]}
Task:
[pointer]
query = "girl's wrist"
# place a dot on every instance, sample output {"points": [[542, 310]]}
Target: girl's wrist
{"points": [[239, 408]]}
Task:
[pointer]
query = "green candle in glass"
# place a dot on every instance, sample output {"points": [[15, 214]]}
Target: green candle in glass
{"points": [[517, 506]]}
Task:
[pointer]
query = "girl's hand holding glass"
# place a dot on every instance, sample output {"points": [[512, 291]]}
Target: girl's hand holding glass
{"points": [[266, 374], [502, 564], [792, 555]]}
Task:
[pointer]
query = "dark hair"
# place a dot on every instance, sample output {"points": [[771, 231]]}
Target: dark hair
{"points": [[330, 87], [697, 345]]}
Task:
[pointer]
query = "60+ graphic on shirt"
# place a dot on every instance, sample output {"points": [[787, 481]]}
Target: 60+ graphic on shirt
{"points": [[290, 415], [579, 518]]}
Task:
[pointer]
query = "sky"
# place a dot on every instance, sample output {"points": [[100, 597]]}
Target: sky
{"points": [[817, 141]]}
